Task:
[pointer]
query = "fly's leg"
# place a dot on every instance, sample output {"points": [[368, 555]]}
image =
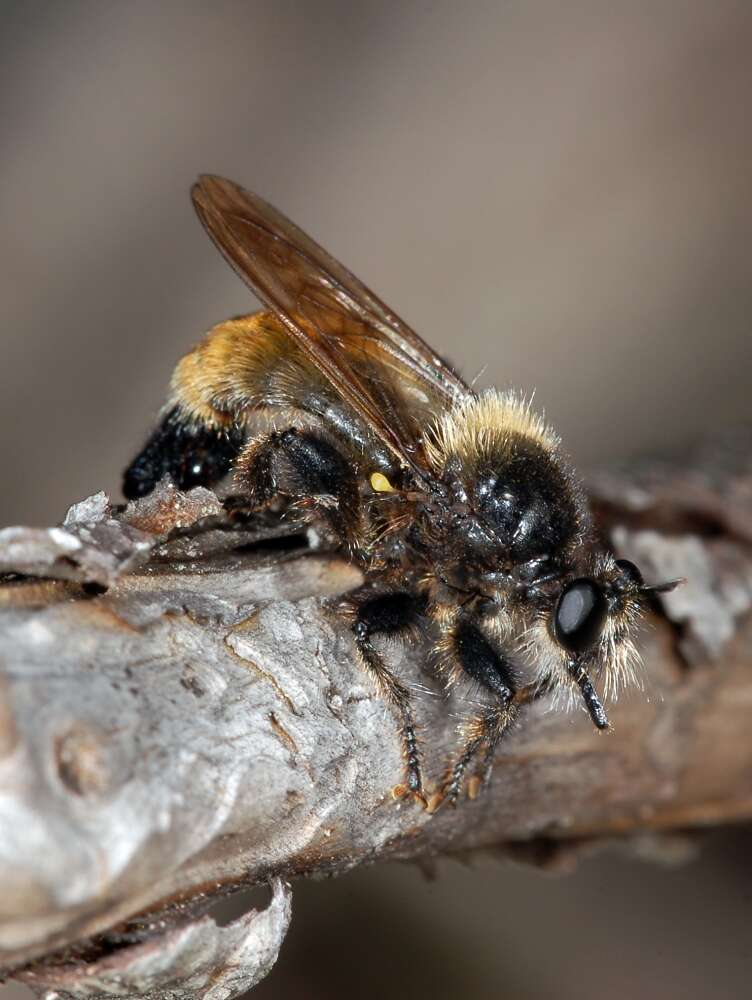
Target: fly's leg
{"points": [[484, 730], [477, 658], [306, 469], [310, 470], [392, 615]]}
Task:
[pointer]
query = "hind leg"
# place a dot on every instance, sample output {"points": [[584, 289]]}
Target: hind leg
{"points": [[306, 469]]}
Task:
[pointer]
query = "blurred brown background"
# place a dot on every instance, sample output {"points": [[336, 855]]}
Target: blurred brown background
{"points": [[557, 195]]}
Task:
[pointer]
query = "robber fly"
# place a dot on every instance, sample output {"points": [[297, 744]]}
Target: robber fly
{"points": [[459, 506]]}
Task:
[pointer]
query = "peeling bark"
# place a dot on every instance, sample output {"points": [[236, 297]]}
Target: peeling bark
{"points": [[200, 725]]}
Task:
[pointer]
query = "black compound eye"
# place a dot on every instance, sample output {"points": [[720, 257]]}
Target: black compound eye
{"points": [[580, 615], [630, 573]]}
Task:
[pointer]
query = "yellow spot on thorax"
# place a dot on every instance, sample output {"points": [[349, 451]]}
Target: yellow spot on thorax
{"points": [[380, 483]]}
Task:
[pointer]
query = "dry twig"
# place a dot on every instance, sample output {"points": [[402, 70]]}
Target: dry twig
{"points": [[178, 720]]}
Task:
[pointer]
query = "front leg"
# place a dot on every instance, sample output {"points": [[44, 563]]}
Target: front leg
{"points": [[474, 656], [391, 615]]}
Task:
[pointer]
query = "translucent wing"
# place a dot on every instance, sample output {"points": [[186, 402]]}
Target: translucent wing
{"points": [[377, 364]]}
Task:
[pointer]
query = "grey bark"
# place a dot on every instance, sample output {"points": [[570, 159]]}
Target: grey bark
{"points": [[201, 726]]}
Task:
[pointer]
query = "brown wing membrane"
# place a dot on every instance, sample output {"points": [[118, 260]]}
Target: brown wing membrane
{"points": [[333, 317]]}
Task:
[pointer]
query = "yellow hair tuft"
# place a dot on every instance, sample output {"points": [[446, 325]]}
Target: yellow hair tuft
{"points": [[486, 425]]}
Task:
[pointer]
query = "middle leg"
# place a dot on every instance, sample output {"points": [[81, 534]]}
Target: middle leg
{"points": [[391, 615]]}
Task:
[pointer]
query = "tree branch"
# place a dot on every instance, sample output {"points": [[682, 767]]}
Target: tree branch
{"points": [[200, 726]]}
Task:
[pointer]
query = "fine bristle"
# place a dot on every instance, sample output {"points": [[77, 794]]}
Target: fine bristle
{"points": [[483, 426]]}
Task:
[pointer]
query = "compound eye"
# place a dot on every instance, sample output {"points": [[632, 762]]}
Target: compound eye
{"points": [[630, 573], [580, 615]]}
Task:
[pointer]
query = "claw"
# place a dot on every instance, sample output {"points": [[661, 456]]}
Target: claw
{"points": [[435, 803], [474, 786], [401, 791]]}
